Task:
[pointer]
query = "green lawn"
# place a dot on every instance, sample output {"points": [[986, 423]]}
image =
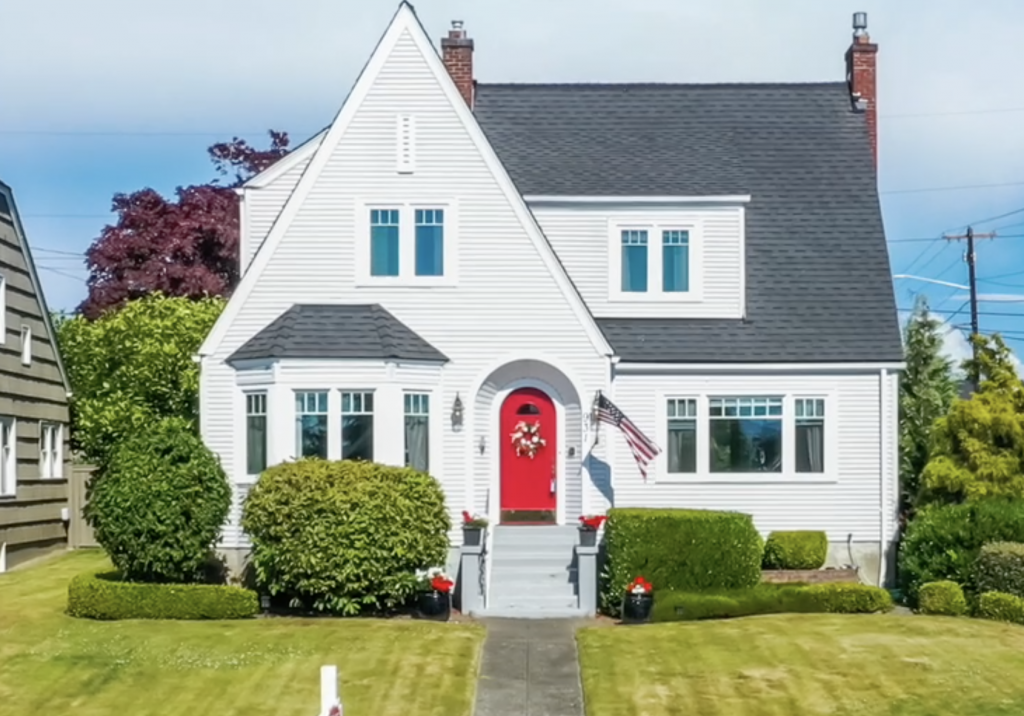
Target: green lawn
{"points": [[791, 664], [52, 663]]}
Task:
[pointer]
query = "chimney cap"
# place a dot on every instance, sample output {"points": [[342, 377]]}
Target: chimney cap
{"points": [[860, 23], [457, 24]]}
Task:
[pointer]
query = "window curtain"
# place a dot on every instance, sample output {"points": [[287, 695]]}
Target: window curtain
{"points": [[417, 442], [682, 447], [256, 443], [811, 450]]}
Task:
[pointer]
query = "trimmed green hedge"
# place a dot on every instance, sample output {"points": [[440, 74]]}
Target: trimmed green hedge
{"points": [[943, 598], [771, 599], [795, 550], [1001, 607], [1000, 568], [685, 550], [104, 596]]}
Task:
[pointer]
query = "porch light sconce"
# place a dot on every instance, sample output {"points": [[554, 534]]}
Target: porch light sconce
{"points": [[457, 414]]}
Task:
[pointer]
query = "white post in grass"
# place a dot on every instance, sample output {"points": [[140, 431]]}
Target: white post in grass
{"points": [[330, 705]]}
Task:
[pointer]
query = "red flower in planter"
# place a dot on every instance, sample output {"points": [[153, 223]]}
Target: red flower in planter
{"points": [[592, 522], [441, 583], [471, 520], [640, 586]]}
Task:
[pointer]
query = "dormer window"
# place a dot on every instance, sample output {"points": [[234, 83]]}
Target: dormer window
{"points": [[653, 262]]}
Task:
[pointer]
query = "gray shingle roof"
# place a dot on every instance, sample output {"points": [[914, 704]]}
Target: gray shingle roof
{"points": [[364, 331], [819, 287]]}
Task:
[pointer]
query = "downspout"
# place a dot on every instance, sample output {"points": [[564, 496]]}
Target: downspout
{"points": [[883, 453]]}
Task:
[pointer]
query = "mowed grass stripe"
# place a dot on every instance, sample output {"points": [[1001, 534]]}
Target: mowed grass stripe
{"points": [[52, 663], [841, 665]]}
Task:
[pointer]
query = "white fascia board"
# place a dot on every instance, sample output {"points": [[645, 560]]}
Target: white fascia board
{"points": [[728, 199], [624, 367]]}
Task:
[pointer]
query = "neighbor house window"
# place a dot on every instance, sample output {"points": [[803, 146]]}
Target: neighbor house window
{"points": [[746, 434], [810, 434], [429, 242], [311, 424], [8, 459], [417, 431], [634, 261], [675, 261], [384, 242], [50, 453], [357, 426], [682, 435], [255, 433]]}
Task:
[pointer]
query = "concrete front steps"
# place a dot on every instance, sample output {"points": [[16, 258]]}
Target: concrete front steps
{"points": [[532, 572]]}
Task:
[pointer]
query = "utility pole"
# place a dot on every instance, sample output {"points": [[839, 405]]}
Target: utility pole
{"points": [[972, 282]]}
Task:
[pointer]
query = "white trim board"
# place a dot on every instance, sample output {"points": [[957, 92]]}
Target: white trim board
{"points": [[404, 20], [638, 200], [285, 163], [626, 367]]}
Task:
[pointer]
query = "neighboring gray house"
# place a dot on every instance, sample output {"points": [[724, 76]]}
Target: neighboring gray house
{"points": [[33, 405], [451, 261]]}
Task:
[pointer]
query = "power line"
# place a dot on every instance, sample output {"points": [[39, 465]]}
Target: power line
{"points": [[65, 274], [972, 276], [922, 239], [62, 252], [993, 314], [952, 188]]}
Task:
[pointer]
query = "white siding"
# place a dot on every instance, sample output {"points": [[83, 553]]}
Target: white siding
{"points": [[581, 235], [843, 502], [505, 304], [261, 207]]}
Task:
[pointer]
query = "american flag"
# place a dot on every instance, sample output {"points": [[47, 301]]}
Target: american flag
{"points": [[644, 449]]}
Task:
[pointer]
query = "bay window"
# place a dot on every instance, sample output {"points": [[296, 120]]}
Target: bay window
{"points": [[417, 431], [357, 426], [311, 424]]}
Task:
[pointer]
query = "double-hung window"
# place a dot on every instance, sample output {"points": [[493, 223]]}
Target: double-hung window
{"points": [[357, 426], [417, 431], [429, 242], [50, 453], [745, 434], [810, 434], [311, 424], [384, 242], [675, 261], [8, 458], [681, 449], [634, 261], [654, 262], [255, 433]]}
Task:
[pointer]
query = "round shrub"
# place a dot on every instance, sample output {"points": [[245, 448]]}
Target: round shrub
{"points": [[345, 536], [684, 550], [795, 550], [105, 596], [1001, 607], [843, 598], [158, 505], [943, 542], [1000, 568], [943, 598]]}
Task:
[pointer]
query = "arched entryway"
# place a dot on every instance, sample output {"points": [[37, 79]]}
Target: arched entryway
{"points": [[528, 425]]}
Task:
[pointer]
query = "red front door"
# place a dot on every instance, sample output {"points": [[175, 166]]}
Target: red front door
{"points": [[528, 484]]}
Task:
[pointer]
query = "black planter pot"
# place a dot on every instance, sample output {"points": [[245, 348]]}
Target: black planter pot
{"points": [[472, 535], [433, 605], [636, 608], [588, 538]]}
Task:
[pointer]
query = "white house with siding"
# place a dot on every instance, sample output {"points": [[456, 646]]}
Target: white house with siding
{"points": [[450, 259]]}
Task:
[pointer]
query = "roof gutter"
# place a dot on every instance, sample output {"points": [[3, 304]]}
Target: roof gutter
{"points": [[638, 200], [628, 367]]}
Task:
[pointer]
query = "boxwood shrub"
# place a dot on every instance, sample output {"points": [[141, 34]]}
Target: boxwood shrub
{"points": [[943, 541], [770, 599], [105, 596], [1001, 607], [943, 598], [1000, 568], [683, 550], [344, 536], [795, 550]]}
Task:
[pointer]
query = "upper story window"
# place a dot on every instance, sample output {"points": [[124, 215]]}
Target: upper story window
{"points": [[407, 245], [653, 262], [51, 461]]}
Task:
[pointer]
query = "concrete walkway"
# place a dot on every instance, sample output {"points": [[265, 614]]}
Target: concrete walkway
{"points": [[529, 668]]}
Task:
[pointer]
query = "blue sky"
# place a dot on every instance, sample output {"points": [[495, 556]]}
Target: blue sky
{"points": [[102, 97]]}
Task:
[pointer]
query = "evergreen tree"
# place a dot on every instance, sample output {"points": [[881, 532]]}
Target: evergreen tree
{"points": [[977, 450], [927, 389]]}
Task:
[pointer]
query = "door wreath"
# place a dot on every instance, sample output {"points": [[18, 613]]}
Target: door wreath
{"points": [[527, 439]]}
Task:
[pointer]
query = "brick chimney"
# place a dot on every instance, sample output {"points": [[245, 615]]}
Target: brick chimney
{"points": [[457, 51], [861, 62]]}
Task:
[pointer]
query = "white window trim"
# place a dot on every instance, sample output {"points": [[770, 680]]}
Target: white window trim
{"points": [[655, 292], [26, 344], [789, 475], [9, 463], [51, 452], [407, 277], [244, 452]]}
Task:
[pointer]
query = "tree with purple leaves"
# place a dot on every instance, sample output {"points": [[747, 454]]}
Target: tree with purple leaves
{"points": [[185, 246]]}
